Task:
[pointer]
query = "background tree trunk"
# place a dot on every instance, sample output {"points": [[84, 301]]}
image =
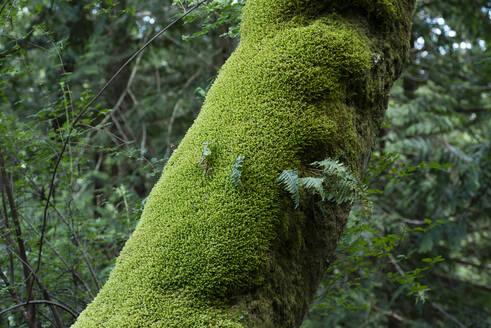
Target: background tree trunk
{"points": [[309, 80]]}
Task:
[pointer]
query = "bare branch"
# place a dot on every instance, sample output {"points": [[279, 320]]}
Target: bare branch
{"points": [[391, 314], [446, 314], [61, 306], [17, 300]]}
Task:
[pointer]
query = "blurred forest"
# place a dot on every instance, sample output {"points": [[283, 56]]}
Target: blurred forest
{"points": [[418, 257]]}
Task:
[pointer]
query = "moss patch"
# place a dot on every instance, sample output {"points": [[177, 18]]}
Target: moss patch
{"points": [[208, 254]]}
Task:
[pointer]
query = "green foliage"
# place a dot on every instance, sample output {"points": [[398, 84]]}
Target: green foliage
{"points": [[342, 185], [216, 15], [336, 183], [316, 185], [290, 182]]}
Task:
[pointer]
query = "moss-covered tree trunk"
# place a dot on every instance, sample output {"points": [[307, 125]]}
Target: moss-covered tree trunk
{"points": [[309, 80]]}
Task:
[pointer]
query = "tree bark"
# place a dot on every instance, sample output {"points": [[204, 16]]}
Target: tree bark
{"points": [[309, 80]]}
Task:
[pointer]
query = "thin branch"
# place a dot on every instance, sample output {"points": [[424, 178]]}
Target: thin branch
{"points": [[85, 256], [169, 130], [133, 98], [17, 300], [391, 314], [144, 140], [399, 269], [17, 228], [476, 265], [453, 279], [455, 152], [43, 290], [65, 263], [61, 306], [174, 114], [448, 315], [130, 81], [119, 128], [8, 240], [127, 125]]}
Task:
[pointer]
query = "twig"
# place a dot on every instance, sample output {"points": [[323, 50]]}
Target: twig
{"points": [[399, 269], [144, 139], [61, 306], [17, 300], [455, 152], [453, 279], [65, 263], [119, 128], [174, 114], [448, 315], [130, 81], [17, 228], [44, 291], [391, 314], [79, 244], [476, 265], [133, 98], [6, 236], [169, 130]]}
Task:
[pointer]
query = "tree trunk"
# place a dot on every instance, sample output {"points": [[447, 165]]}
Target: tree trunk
{"points": [[309, 80]]}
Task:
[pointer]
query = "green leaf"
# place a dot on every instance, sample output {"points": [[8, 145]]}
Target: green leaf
{"points": [[435, 165], [288, 179], [236, 171], [206, 150], [315, 185]]}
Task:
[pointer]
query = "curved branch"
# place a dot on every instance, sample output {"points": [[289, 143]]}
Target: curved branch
{"points": [[61, 306]]}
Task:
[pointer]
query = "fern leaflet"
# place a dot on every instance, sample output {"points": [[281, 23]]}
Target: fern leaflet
{"points": [[236, 171], [289, 180]]}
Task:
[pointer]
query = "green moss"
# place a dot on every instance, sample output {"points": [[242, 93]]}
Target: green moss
{"points": [[208, 254]]}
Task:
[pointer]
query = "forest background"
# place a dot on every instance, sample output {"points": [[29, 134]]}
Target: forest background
{"points": [[418, 257]]}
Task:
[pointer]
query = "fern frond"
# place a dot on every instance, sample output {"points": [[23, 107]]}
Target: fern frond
{"points": [[336, 184], [290, 182], [316, 185], [206, 152], [332, 167], [236, 171], [342, 185]]}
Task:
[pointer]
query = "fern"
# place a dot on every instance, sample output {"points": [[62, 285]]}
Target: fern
{"points": [[335, 183], [205, 161], [316, 185], [289, 180], [343, 186], [206, 152], [236, 171]]}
